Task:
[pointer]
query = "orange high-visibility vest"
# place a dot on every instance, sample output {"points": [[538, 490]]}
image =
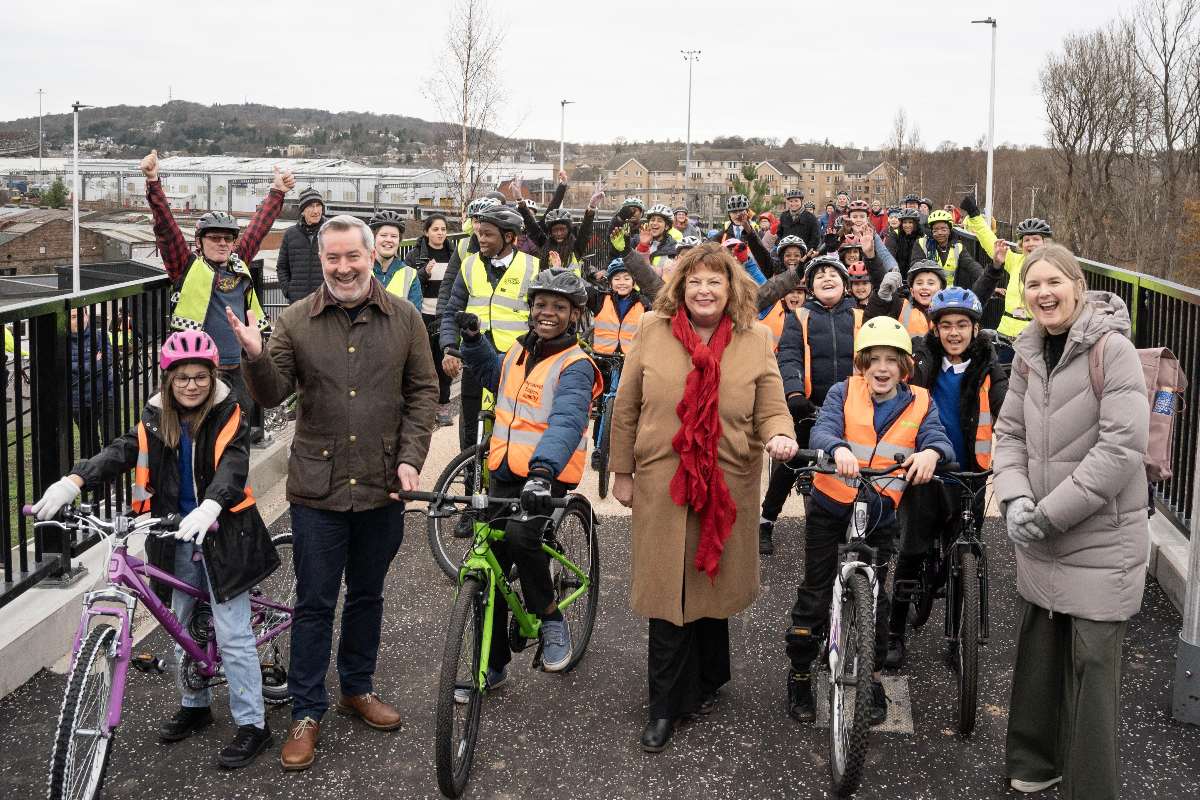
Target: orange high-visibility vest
{"points": [[874, 452], [523, 405], [914, 320], [802, 317], [983, 430], [610, 332], [141, 471], [774, 323]]}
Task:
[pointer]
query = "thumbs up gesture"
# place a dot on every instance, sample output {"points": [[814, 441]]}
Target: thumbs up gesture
{"points": [[284, 181], [149, 166]]}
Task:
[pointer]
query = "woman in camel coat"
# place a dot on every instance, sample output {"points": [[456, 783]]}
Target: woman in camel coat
{"points": [[695, 497]]}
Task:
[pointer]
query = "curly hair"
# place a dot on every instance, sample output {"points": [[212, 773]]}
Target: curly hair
{"points": [[740, 305]]}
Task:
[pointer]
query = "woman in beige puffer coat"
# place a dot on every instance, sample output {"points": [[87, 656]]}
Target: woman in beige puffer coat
{"points": [[1070, 479]]}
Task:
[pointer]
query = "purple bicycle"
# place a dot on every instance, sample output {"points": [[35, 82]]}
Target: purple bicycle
{"points": [[102, 655]]}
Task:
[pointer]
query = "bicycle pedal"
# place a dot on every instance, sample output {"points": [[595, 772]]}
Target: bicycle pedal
{"points": [[148, 663]]}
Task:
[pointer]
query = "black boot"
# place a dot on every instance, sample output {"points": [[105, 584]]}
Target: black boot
{"points": [[878, 701], [657, 734], [895, 651], [185, 722], [802, 707], [765, 546], [247, 743]]}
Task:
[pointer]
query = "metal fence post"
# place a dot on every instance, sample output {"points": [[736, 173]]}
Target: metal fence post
{"points": [[1185, 701]]}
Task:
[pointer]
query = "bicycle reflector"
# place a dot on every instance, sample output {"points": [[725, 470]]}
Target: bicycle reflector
{"points": [[860, 518]]}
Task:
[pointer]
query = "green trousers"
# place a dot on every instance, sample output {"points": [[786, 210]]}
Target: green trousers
{"points": [[1062, 720]]}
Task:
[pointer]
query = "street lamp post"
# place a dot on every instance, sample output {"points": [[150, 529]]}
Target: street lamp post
{"points": [[562, 133], [75, 204], [41, 177], [690, 56], [987, 209]]}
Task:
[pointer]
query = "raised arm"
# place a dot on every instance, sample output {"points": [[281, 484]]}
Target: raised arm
{"points": [[173, 248]]}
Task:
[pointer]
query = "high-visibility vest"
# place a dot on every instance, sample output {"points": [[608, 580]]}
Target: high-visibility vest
{"points": [[609, 332], [141, 471], [914, 320], [983, 429], [802, 317], [950, 265], [872, 451], [524, 401], [773, 322], [401, 281], [503, 310], [462, 246], [1016, 316], [190, 302]]}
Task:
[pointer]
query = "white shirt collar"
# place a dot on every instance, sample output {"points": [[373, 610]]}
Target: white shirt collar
{"points": [[959, 369], [506, 260]]}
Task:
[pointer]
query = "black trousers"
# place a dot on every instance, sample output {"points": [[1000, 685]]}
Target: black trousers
{"points": [[521, 545], [810, 615], [431, 321], [685, 664], [471, 396], [783, 477]]}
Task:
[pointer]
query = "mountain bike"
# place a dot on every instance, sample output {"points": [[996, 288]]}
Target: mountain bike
{"points": [[602, 414], [849, 646], [571, 543], [102, 653], [958, 572]]}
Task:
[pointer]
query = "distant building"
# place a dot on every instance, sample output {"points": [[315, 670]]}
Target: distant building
{"points": [[655, 176], [36, 240]]}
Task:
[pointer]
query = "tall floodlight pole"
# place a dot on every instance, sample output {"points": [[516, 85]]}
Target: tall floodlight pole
{"points": [[991, 140], [562, 133], [40, 176], [75, 204], [690, 56]]}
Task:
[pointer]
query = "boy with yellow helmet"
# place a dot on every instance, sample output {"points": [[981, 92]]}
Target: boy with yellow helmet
{"points": [[944, 247]]}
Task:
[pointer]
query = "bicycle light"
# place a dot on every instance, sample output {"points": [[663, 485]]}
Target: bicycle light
{"points": [[860, 518]]}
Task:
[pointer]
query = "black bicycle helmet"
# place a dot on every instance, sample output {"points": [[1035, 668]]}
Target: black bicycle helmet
{"points": [[559, 281], [794, 193], [821, 262], [1035, 226], [559, 216], [216, 221], [911, 198], [791, 241], [925, 265], [736, 202], [909, 213], [503, 218], [386, 217]]}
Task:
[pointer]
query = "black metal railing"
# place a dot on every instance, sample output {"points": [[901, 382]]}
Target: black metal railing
{"points": [[80, 370]]}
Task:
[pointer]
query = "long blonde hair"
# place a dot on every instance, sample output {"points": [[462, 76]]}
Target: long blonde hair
{"points": [[740, 305], [1062, 259], [172, 413]]}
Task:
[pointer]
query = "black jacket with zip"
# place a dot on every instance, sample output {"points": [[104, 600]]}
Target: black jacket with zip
{"points": [[830, 343]]}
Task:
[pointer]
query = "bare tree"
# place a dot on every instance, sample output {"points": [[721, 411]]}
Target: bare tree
{"points": [[467, 91]]}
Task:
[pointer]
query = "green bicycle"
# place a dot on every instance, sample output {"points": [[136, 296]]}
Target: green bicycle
{"points": [[467, 474], [571, 543]]}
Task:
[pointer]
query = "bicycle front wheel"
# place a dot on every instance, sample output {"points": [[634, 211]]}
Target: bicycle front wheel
{"points": [[275, 655], [457, 724], [850, 688], [81, 748], [450, 538], [968, 643], [605, 438], [575, 537]]}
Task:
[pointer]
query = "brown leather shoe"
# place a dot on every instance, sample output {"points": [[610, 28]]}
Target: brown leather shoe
{"points": [[373, 711], [297, 753]]}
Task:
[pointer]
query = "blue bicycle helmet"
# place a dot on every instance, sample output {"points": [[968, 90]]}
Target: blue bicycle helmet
{"points": [[955, 300], [615, 266]]}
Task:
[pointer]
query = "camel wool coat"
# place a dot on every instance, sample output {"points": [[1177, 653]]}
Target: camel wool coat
{"points": [[665, 582]]}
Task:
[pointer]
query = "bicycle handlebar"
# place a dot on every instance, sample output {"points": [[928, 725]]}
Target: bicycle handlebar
{"points": [[824, 464], [156, 526], [470, 500]]}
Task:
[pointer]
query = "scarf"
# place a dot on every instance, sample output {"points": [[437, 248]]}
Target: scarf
{"points": [[700, 482]]}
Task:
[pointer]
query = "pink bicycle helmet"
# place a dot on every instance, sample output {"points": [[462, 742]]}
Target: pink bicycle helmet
{"points": [[183, 346]]}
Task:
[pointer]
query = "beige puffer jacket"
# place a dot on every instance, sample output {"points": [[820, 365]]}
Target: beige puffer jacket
{"points": [[1080, 460]]}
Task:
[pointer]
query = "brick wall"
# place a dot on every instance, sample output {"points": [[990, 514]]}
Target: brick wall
{"points": [[48, 246]]}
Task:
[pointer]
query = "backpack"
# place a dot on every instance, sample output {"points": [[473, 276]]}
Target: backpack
{"points": [[1165, 382]]}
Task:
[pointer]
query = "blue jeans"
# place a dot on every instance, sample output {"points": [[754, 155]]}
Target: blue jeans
{"points": [[327, 545], [234, 637]]}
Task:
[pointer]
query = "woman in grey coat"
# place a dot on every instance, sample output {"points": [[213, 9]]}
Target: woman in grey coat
{"points": [[1070, 479]]}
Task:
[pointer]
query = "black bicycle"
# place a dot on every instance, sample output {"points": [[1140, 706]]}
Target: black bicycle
{"points": [[958, 572]]}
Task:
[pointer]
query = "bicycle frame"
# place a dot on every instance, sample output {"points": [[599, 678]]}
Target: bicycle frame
{"points": [[856, 542], [968, 540]]}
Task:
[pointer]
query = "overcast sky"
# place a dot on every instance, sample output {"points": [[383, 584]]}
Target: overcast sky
{"points": [[870, 57]]}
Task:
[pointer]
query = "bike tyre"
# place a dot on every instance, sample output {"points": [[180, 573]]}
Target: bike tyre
{"points": [[279, 648], [968, 643], [605, 440], [453, 754], [440, 530], [96, 645], [920, 610], [850, 738], [577, 518]]}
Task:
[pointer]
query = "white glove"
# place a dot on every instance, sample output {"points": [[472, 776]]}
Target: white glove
{"points": [[888, 286], [195, 525], [60, 493], [1017, 519]]}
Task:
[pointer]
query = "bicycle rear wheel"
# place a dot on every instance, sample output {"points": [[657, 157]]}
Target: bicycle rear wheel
{"points": [[447, 539], [575, 537], [81, 750], [920, 609], [850, 689], [968, 643], [457, 724], [275, 656], [605, 438]]}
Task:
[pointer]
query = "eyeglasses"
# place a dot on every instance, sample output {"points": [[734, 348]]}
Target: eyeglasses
{"points": [[201, 381], [227, 238]]}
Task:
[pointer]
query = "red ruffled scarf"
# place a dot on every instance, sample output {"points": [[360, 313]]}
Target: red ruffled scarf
{"points": [[700, 482]]}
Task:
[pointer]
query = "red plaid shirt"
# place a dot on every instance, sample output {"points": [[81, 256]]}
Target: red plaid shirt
{"points": [[177, 254]]}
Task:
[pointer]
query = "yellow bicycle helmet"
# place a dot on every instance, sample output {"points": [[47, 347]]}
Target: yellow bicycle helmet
{"points": [[883, 332], [940, 216]]}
